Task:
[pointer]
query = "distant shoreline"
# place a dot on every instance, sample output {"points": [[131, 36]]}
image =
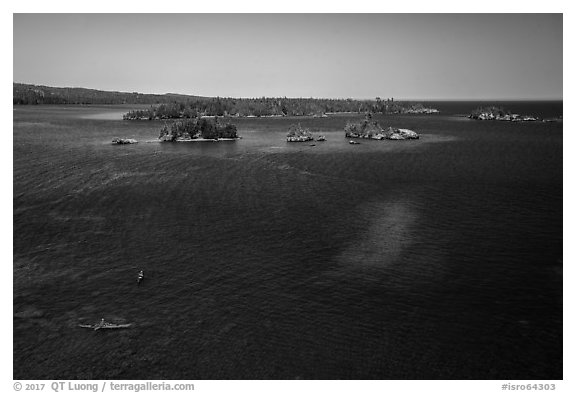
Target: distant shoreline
{"points": [[544, 109], [205, 140]]}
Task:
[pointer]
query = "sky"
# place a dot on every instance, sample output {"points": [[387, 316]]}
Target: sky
{"points": [[405, 56]]}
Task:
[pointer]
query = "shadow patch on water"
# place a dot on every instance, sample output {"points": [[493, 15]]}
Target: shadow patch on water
{"points": [[388, 234]]}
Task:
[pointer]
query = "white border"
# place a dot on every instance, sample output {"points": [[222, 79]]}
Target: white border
{"points": [[37, 6]]}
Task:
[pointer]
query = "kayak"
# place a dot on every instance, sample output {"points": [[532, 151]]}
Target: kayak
{"points": [[106, 325]]}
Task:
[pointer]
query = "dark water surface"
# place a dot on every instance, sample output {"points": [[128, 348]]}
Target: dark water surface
{"points": [[439, 258]]}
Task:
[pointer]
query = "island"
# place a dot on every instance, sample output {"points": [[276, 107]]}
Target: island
{"points": [[498, 113], [405, 108], [296, 133], [273, 107], [370, 129], [198, 130], [123, 141]]}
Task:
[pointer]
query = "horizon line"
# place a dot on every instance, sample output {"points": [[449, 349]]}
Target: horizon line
{"points": [[467, 99]]}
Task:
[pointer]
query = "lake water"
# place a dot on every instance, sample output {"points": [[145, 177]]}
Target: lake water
{"points": [[439, 258]]}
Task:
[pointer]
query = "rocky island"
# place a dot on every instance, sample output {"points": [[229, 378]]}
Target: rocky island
{"points": [[370, 129], [197, 130], [298, 134], [123, 141], [498, 113]]}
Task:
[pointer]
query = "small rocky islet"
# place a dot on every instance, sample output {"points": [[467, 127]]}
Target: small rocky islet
{"points": [[123, 141], [366, 129], [296, 133], [499, 114]]}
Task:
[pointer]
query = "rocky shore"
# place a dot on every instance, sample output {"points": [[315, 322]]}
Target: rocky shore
{"points": [[199, 139], [510, 117], [421, 111]]}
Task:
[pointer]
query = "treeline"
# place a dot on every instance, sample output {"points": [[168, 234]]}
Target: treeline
{"points": [[176, 110], [188, 129], [259, 107], [24, 94]]}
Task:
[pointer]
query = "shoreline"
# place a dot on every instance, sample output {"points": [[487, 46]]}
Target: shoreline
{"points": [[204, 140], [326, 115]]}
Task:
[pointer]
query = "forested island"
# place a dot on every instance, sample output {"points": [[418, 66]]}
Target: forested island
{"points": [[370, 129], [198, 129], [274, 107], [296, 133], [498, 113]]}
